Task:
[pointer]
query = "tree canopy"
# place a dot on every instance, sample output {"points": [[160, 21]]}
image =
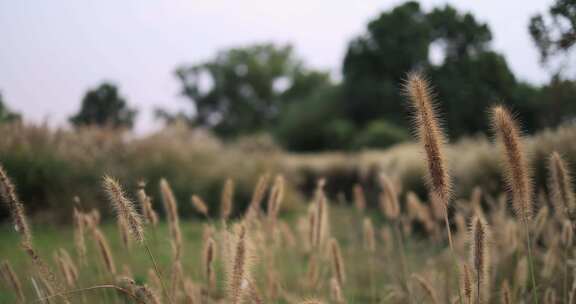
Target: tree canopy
{"points": [[105, 107], [467, 76], [243, 90]]}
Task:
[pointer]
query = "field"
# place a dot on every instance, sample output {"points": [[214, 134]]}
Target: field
{"points": [[493, 223]]}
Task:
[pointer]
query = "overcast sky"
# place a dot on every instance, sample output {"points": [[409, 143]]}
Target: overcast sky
{"points": [[51, 52]]}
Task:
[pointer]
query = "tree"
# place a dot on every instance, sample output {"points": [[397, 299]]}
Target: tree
{"points": [[104, 107], [376, 63], [242, 90], [556, 33], [468, 77], [6, 115]]}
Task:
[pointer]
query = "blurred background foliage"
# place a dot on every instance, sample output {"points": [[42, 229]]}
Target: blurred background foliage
{"points": [[260, 108]]}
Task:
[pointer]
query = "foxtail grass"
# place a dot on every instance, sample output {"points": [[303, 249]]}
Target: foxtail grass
{"points": [[517, 175], [429, 133]]}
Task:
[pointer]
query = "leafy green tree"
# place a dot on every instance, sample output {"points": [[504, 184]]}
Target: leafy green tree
{"points": [[468, 77], [315, 123], [7, 115], [242, 90], [104, 106], [555, 33], [377, 62]]}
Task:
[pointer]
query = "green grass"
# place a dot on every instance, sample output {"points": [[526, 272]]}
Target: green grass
{"points": [[290, 263]]}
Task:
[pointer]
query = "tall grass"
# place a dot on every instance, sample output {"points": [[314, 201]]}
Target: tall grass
{"points": [[268, 245]]}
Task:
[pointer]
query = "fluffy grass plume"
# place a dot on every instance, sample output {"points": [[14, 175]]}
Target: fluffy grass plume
{"points": [[15, 207], [517, 172], [430, 135], [125, 209], [561, 185]]}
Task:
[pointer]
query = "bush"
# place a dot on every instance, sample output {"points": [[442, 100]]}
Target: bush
{"points": [[381, 134], [50, 167]]}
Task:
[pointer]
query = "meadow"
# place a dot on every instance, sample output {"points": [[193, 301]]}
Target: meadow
{"points": [[478, 221]]}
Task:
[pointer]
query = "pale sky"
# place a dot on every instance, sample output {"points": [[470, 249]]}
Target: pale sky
{"points": [[52, 52]]}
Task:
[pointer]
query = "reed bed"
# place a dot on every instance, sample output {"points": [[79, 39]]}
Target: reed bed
{"points": [[509, 247]]}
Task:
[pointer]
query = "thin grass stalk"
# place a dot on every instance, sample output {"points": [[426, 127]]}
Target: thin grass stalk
{"points": [[158, 273]]}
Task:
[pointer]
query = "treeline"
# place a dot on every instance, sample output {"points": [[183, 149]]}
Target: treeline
{"points": [[268, 88]]}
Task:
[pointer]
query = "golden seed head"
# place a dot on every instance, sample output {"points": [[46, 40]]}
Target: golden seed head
{"points": [[517, 172]]}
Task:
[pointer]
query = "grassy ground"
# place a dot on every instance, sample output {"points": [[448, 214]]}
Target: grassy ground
{"points": [[290, 263]]}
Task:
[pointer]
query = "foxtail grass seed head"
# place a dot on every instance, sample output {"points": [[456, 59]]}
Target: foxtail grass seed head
{"points": [[169, 201], [567, 234], [427, 288], [150, 216], [145, 294], [369, 235], [199, 204], [226, 201], [359, 198], [517, 172], [171, 207], [105, 252], [560, 183], [15, 207], [258, 194], [209, 256], [480, 253], [276, 197], [79, 234], [389, 198], [336, 291], [238, 276], [125, 210], [338, 268], [430, 135], [505, 293], [467, 287], [318, 220]]}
